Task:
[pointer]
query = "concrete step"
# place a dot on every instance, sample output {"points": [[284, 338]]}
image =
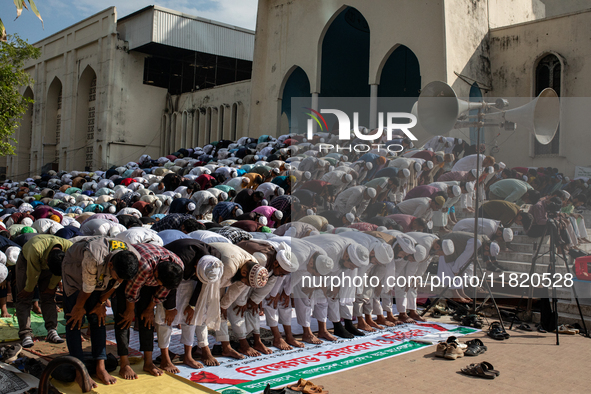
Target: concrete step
{"points": [[568, 306], [565, 318], [524, 267]]}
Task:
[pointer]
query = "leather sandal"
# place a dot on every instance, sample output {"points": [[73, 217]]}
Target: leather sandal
{"points": [[478, 370]]}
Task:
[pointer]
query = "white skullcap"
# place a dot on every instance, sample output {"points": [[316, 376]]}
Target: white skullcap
{"points": [[309, 212], [286, 259], [256, 157], [368, 165], [263, 220], [494, 249], [406, 172], [278, 214], [280, 191], [209, 269], [264, 202], [469, 187], [323, 264], [383, 252], [358, 254], [525, 178], [223, 196], [191, 206], [417, 166], [456, 190], [502, 165], [350, 217], [371, 192], [460, 141], [348, 178], [2, 259], [490, 169], [430, 164], [276, 170], [406, 243], [420, 254], [567, 179], [12, 253], [329, 228], [507, 234], [381, 228], [27, 222], [307, 175], [239, 212], [261, 258], [448, 247], [3, 273]]}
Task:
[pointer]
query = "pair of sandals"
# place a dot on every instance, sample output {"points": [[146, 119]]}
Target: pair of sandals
{"points": [[483, 370], [307, 387], [472, 321], [567, 329], [475, 347], [497, 331]]}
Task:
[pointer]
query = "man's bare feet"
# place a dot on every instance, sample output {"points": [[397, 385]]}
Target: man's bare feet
{"points": [[390, 317], [105, 377], [262, 348], [415, 316], [126, 372], [190, 362], [362, 325], [385, 322], [227, 351], [5, 313], [294, 342], [247, 350], [404, 318], [311, 338], [150, 368], [372, 323], [326, 335], [168, 366], [280, 344], [79, 380], [208, 359], [36, 308]]}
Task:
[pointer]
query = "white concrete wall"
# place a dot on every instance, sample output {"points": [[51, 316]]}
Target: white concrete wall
{"points": [[514, 54], [510, 12], [561, 7]]}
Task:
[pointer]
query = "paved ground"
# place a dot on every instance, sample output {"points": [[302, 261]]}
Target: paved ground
{"points": [[529, 362]]}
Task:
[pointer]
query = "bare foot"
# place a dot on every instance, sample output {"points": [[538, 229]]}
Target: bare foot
{"points": [[6, 314], [79, 380], [385, 322], [404, 318], [295, 343], [362, 325], [152, 369], [280, 344], [393, 319], [190, 362], [311, 338], [105, 377], [208, 359], [248, 351], [229, 352], [126, 372], [415, 316], [37, 309], [168, 366], [326, 335], [262, 348], [373, 324]]}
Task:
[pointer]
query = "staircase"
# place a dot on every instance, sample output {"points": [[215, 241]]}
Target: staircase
{"points": [[519, 260]]}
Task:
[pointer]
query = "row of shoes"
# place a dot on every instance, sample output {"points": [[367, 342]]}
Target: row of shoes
{"points": [[9, 354], [483, 370], [452, 349]]}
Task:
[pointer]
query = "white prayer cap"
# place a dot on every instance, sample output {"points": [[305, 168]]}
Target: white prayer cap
{"points": [[245, 180], [322, 139], [286, 259], [417, 166], [456, 190], [420, 254], [460, 141], [358, 254], [323, 264], [256, 157], [309, 212], [383, 252], [280, 191], [508, 235], [191, 206], [27, 222], [263, 220], [264, 202], [209, 269], [329, 228], [348, 178], [330, 168], [469, 187], [494, 249], [371, 192], [406, 173], [307, 175], [490, 169], [525, 178], [350, 217], [261, 258], [406, 243], [239, 212], [278, 214], [567, 179], [566, 194], [3, 273], [2, 259], [276, 170], [223, 196], [447, 246], [502, 165], [430, 164], [12, 253], [368, 165], [381, 228]]}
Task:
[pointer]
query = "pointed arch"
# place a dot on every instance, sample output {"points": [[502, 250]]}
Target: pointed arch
{"points": [[24, 140], [82, 140], [295, 84], [52, 131], [399, 75]]}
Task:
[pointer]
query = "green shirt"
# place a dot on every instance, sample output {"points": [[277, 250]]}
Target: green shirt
{"points": [[36, 252], [510, 189]]}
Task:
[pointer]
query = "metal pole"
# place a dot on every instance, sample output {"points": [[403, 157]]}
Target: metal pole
{"points": [[475, 258]]}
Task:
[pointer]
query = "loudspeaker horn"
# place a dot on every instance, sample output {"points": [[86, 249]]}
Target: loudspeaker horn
{"points": [[438, 107], [540, 117]]}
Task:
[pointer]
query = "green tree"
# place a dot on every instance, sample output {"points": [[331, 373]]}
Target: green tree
{"points": [[20, 4], [14, 52]]}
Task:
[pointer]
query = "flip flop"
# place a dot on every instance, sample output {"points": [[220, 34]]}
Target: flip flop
{"points": [[478, 370], [524, 327], [489, 368]]}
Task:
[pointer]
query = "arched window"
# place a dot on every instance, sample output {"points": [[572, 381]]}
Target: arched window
{"points": [[548, 75]]}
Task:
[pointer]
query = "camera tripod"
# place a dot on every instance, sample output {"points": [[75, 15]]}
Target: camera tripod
{"points": [[551, 230]]}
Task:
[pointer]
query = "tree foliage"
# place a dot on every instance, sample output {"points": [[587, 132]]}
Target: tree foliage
{"points": [[14, 52], [20, 4]]}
